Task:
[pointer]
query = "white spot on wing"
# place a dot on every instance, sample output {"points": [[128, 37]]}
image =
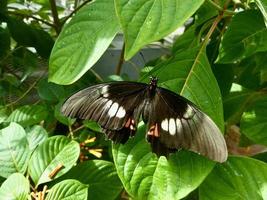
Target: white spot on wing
{"points": [[172, 128], [112, 111], [108, 104], [104, 89], [189, 112], [164, 125], [121, 112], [178, 125]]}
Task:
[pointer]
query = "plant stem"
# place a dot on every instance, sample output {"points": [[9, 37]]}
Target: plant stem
{"points": [[57, 24], [121, 61]]}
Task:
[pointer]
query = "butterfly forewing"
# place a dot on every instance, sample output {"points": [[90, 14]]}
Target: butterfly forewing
{"points": [[182, 125], [112, 105]]}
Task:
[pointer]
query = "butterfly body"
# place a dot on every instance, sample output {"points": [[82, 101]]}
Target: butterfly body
{"points": [[173, 121]]}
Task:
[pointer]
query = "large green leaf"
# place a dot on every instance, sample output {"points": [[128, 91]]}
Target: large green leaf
{"points": [[254, 121], [28, 115], [55, 151], [239, 178], [14, 150], [15, 187], [145, 21], [28, 35], [99, 175], [68, 190], [145, 176], [242, 39], [35, 136], [189, 74], [82, 41]]}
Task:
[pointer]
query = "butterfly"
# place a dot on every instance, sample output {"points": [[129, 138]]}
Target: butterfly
{"points": [[173, 121]]}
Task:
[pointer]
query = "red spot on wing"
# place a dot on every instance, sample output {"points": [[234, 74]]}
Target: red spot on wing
{"points": [[153, 130]]}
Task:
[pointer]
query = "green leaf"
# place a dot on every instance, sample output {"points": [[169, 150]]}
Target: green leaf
{"points": [[15, 187], [82, 41], [14, 150], [145, 21], [99, 175], [27, 35], [189, 74], [262, 5], [145, 176], [68, 190], [28, 115], [35, 136], [254, 121], [55, 151], [239, 178], [50, 91], [3, 114], [205, 13], [60, 117], [236, 103], [4, 41], [21, 32], [187, 40], [242, 39]]}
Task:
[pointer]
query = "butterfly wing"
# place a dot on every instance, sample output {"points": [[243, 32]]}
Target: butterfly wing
{"points": [[177, 123], [115, 106]]}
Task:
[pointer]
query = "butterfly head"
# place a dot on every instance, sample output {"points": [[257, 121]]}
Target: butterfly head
{"points": [[153, 83]]}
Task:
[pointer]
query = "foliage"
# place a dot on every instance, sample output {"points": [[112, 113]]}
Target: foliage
{"points": [[218, 62]]}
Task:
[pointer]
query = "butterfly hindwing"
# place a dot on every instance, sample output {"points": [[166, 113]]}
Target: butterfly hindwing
{"points": [[115, 106], [180, 124]]}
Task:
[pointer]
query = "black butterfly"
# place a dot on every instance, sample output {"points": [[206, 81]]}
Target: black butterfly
{"points": [[173, 121]]}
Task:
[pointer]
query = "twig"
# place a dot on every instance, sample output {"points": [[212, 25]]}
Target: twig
{"points": [[121, 61], [57, 24], [31, 16]]}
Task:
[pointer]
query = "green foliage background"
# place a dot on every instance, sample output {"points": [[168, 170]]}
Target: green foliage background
{"points": [[47, 51]]}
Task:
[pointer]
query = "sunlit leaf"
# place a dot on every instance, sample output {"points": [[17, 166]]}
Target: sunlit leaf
{"points": [[239, 178], [28, 115], [145, 21], [100, 175], [67, 190], [145, 176], [15, 187], [82, 41], [35, 136], [54, 152], [14, 150]]}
